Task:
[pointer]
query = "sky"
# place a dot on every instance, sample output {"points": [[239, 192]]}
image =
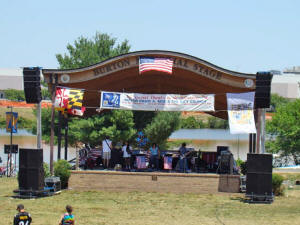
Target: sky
{"points": [[243, 36]]}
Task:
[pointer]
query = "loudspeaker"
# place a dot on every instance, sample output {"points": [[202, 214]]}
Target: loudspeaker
{"points": [[14, 149], [32, 84], [31, 171], [259, 175], [259, 163], [263, 89], [226, 163]]}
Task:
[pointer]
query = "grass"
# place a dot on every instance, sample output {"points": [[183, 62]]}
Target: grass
{"points": [[26, 113], [98, 207]]}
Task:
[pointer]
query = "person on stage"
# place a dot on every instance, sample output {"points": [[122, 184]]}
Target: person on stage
{"points": [[127, 150], [106, 148], [154, 156], [183, 152], [22, 217]]}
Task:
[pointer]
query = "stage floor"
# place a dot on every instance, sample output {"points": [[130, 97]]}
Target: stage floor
{"points": [[153, 181]]}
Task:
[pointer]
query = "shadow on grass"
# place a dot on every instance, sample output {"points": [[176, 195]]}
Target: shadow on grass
{"points": [[253, 200]]}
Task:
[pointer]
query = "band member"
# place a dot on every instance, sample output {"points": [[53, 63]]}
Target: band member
{"points": [[154, 156], [106, 146], [183, 152], [127, 150], [22, 218]]}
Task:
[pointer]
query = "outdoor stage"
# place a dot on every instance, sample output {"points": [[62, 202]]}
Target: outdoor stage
{"points": [[154, 182]]}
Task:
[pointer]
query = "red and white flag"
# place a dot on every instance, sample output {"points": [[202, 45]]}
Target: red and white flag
{"points": [[158, 64]]}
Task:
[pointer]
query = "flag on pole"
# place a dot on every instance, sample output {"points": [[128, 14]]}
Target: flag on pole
{"points": [[158, 64], [240, 112], [69, 100], [12, 122]]}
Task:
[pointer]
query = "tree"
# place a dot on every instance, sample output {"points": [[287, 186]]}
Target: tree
{"points": [[284, 129], [277, 101], [14, 95], [190, 123], [217, 123], [117, 124], [142, 119], [46, 123], [162, 126], [86, 51]]}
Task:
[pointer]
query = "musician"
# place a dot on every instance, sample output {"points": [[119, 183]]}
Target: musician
{"points": [[183, 152], [127, 151], [154, 156]]}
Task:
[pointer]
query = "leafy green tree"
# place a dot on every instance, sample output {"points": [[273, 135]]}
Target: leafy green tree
{"points": [[86, 51], [284, 129], [277, 101], [46, 123], [142, 119], [46, 94], [216, 123], [162, 126], [190, 123], [14, 95], [117, 124]]}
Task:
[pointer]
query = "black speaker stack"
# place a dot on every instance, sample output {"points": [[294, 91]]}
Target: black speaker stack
{"points": [[31, 172], [259, 178], [32, 84], [263, 89]]}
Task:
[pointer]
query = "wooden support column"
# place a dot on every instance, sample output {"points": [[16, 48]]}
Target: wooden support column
{"points": [[52, 121], [59, 135], [66, 135]]}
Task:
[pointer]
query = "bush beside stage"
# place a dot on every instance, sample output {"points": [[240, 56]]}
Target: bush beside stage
{"points": [[98, 207]]}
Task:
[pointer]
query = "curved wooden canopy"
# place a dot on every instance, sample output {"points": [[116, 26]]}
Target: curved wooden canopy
{"points": [[190, 75]]}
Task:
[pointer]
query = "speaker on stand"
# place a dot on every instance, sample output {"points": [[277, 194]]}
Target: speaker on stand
{"points": [[32, 84], [259, 178], [31, 172], [263, 89]]}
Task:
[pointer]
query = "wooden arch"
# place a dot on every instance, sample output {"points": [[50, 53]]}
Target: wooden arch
{"points": [[191, 75]]}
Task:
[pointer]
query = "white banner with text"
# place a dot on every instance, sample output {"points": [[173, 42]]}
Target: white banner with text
{"points": [[157, 102], [240, 112]]}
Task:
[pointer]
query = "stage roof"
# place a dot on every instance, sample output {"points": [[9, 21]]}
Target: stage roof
{"points": [[190, 75]]}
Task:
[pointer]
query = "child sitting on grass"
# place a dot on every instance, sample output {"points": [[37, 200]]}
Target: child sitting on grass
{"points": [[68, 217]]}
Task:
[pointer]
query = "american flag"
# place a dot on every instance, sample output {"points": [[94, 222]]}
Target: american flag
{"points": [[159, 64], [168, 162], [141, 162]]}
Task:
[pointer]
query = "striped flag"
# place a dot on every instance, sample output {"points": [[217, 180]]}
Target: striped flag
{"points": [[158, 64], [168, 162], [141, 162]]}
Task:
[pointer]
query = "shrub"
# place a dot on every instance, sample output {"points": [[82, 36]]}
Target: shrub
{"points": [[238, 162], [276, 184], [46, 170], [243, 167], [62, 169]]}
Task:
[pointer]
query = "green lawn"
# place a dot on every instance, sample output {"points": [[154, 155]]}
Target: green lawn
{"points": [[97, 207], [26, 113]]}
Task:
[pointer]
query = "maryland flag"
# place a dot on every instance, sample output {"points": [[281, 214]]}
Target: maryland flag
{"points": [[69, 100]]}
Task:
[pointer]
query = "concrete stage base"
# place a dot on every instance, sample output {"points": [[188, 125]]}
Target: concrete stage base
{"points": [[153, 182]]}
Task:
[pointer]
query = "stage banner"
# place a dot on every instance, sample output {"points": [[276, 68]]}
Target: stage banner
{"points": [[240, 112], [12, 122], [157, 102]]}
